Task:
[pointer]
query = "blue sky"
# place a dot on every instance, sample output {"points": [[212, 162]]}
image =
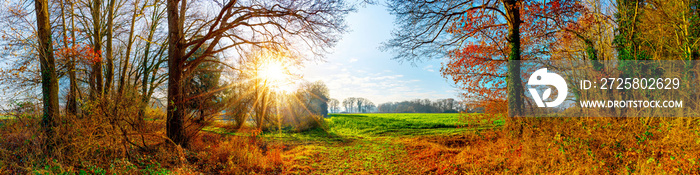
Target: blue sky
{"points": [[357, 68]]}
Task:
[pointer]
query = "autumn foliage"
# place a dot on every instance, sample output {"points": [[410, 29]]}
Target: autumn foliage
{"points": [[479, 66], [79, 51]]}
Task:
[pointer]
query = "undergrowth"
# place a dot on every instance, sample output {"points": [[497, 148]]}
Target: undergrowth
{"points": [[588, 145], [108, 138], [477, 144]]}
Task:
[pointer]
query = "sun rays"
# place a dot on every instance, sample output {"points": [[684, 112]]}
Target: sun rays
{"points": [[277, 76]]}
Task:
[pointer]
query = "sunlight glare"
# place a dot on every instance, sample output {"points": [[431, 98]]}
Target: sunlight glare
{"points": [[277, 76]]}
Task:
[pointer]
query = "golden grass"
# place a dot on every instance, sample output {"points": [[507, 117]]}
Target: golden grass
{"points": [[588, 145], [567, 145]]}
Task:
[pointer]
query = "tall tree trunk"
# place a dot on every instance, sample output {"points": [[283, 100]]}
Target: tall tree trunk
{"points": [[49, 79], [258, 103], [125, 64], [145, 96], [96, 90], [176, 106], [146, 86], [515, 88], [72, 101], [109, 73]]}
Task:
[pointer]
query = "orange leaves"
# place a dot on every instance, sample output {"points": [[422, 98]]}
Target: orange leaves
{"points": [[79, 51], [479, 70], [478, 66]]}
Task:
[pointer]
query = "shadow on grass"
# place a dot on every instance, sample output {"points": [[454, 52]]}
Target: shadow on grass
{"points": [[315, 135], [288, 136], [346, 128], [372, 125]]}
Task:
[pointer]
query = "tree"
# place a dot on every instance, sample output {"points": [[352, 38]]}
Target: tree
{"points": [[358, 102], [627, 37], [153, 58], [369, 107], [72, 101], [49, 79], [318, 98], [424, 27], [481, 38], [109, 72], [420, 106], [96, 82], [267, 25], [253, 68], [347, 105], [334, 105], [202, 89]]}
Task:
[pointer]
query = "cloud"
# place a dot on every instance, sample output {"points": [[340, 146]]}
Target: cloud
{"points": [[378, 87], [429, 68], [384, 85], [353, 60]]}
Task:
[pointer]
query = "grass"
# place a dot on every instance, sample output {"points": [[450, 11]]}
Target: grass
{"points": [[401, 124], [367, 143], [395, 144], [443, 144]]}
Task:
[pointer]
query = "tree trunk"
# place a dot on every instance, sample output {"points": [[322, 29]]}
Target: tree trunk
{"points": [[176, 107], [515, 89], [72, 101], [259, 100], [109, 73], [96, 90], [125, 64], [72, 106], [145, 95], [49, 79]]}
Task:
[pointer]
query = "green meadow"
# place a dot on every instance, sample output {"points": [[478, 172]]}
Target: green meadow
{"points": [[400, 124], [369, 143]]}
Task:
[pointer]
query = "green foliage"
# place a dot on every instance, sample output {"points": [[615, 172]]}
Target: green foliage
{"points": [[627, 38], [400, 124], [316, 98], [202, 88], [155, 169]]}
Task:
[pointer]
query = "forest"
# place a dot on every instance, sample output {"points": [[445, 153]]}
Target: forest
{"points": [[215, 87]]}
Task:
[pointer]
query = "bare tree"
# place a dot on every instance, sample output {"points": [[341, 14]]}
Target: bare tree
{"points": [[96, 82], [72, 101], [109, 55], [334, 105], [243, 24], [49, 79], [347, 105]]}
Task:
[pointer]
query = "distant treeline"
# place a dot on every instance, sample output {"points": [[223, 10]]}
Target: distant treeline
{"points": [[352, 105], [423, 106]]}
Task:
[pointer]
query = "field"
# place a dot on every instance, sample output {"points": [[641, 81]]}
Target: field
{"points": [[369, 143], [475, 143], [393, 144], [390, 143]]}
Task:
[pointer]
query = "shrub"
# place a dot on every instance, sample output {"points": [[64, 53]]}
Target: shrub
{"points": [[234, 154], [156, 113], [308, 122]]}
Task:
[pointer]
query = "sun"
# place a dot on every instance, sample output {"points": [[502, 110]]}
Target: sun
{"points": [[277, 76]]}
